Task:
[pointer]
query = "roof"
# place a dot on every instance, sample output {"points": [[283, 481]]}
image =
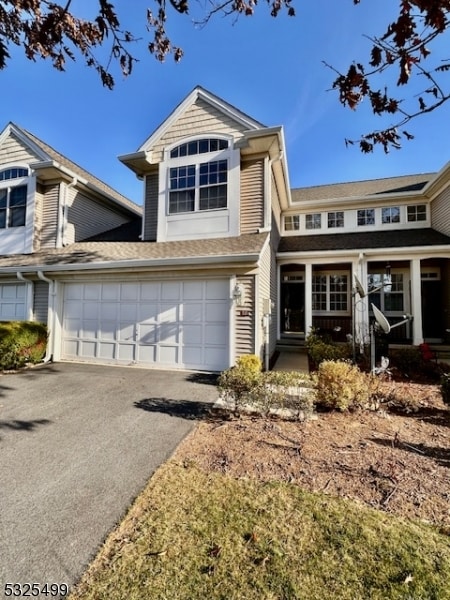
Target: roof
{"points": [[388, 185], [358, 241], [127, 232], [77, 170], [100, 253]]}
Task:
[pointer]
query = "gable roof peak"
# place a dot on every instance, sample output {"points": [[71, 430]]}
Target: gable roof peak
{"points": [[216, 102]]}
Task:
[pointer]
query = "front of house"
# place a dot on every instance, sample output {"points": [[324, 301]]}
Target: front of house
{"points": [[227, 260]]}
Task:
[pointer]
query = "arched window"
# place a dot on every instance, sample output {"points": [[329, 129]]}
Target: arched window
{"points": [[198, 175], [13, 197]]}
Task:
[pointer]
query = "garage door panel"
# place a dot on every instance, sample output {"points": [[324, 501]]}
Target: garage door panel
{"points": [[193, 334], [171, 323], [193, 312]]}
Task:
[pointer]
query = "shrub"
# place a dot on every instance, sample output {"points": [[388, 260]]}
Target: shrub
{"points": [[285, 390], [445, 387], [320, 349], [341, 385], [21, 342], [239, 381]]}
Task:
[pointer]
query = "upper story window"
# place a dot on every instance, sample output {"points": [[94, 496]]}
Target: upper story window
{"points": [[292, 223], [366, 216], [390, 214], [13, 197], [197, 184], [336, 219], [199, 147], [417, 212], [313, 221]]}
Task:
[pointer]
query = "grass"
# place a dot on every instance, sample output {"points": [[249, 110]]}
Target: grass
{"points": [[193, 535]]}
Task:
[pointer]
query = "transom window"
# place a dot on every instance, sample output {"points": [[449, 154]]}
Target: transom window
{"points": [[390, 214], [199, 147], [336, 219], [198, 187], [366, 216], [13, 173], [292, 223], [330, 292], [417, 212], [313, 221]]}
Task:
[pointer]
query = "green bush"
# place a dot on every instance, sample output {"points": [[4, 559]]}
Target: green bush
{"points": [[21, 342], [341, 385], [320, 349], [445, 388], [237, 383], [285, 390]]}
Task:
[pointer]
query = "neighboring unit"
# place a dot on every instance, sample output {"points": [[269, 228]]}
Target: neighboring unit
{"points": [[228, 260]]}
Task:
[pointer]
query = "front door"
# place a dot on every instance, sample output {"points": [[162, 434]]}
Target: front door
{"points": [[292, 317], [432, 310]]}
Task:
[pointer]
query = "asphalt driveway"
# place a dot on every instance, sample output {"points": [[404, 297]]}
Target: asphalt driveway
{"points": [[77, 443]]}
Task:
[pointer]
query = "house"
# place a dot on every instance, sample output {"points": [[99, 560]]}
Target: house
{"points": [[228, 260]]}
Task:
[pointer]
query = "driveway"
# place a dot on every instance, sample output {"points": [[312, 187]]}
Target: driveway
{"points": [[78, 442]]}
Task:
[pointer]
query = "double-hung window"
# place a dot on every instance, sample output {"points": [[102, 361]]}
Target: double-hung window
{"points": [[198, 176], [13, 197], [330, 293], [387, 292]]}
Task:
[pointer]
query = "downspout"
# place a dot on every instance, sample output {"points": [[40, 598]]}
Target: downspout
{"points": [[20, 277], [50, 315]]}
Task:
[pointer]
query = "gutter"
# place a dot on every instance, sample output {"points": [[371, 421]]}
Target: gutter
{"points": [[322, 254]]}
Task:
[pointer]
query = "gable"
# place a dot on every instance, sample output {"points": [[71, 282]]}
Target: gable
{"points": [[15, 151], [200, 117]]}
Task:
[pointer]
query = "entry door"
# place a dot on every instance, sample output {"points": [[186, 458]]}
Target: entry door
{"points": [[292, 317], [432, 324]]}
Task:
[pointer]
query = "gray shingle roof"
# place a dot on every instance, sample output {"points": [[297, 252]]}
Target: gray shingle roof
{"points": [[84, 253], [359, 241], [389, 185], [66, 162]]}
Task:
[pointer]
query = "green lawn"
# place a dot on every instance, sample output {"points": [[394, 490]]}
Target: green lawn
{"points": [[196, 536]]}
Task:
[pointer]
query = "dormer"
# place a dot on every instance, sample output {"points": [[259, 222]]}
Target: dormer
{"points": [[208, 172]]}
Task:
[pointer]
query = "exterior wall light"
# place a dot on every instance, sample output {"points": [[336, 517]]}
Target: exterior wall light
{"points": [[238, 294]]}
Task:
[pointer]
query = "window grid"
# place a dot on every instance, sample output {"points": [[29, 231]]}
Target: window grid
{"points": [[366, 216], [211, 179], [417, 212], [13, 206], [390, 214], [330, 293], [335, 219], [202, 146], [13, 173], [292, 223], [390, 298], [313, 221]]}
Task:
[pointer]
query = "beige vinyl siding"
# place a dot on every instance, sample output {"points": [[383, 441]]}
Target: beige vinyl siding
{"points": [[252, 196], [245, 318], [268, 289], [40, 301], [87, 217], [12, 151], [151, 208], [440, 212], [200, 118], [46, 215]]}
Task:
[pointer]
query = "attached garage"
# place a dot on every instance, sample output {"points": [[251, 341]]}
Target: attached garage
{"points": [[178, 324]]}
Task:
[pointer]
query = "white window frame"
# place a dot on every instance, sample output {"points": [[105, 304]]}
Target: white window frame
{"points": [[390, 218], [335, 220], [294, 223], [328, 275], [389, 288], [313, 221], [416, 207], [9, 185], [366, 212]]}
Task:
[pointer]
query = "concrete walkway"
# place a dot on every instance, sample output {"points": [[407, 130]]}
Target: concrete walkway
{"points": [[292, 361]]}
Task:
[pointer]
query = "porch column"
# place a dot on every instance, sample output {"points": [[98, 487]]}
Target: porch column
{"points": [[308, 298], [416, 301]]}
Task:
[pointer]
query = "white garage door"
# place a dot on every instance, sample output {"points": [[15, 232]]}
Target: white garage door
{"points": [[181, 324], [12, 302]]}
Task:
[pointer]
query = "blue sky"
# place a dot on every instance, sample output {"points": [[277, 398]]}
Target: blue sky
{"points": [[269, 68]]}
